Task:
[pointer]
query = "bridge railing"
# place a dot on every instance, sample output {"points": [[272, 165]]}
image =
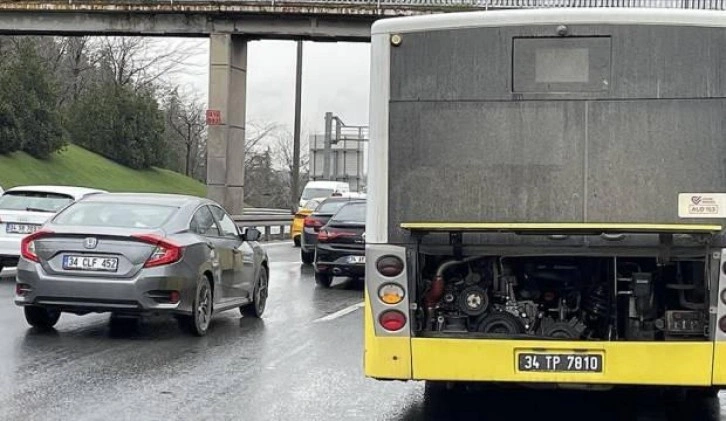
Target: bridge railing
{"points": [[414, 6], [514, 4], [274, 224]]}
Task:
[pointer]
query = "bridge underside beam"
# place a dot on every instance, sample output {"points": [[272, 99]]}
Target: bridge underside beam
{"points": [[316, 28]]}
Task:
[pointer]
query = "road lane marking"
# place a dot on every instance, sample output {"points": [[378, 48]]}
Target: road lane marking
{"points": [[339, 313], [274, 363], [276, 244]]}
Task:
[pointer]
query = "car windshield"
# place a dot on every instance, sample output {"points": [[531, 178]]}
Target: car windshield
{"points": [[353, 212], [116, 215], [311, 192], [36, 201]]}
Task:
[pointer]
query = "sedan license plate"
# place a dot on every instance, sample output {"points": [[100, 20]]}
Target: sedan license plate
{"points": [[585, 363], [357, 259], [90, 263], [21, 228]]}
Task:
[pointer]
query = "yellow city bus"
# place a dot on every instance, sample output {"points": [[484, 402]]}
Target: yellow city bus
{"points": [[547, 193]]}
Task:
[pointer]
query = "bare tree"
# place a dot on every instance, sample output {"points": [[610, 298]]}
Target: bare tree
{"points": [[283, 147], [187, 121], [142, 62], [258, 133], [283, 155]]}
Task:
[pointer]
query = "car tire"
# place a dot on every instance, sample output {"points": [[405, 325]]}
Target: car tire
{"points": [[259, 297], [323, 279], [198, 322], [41, 317], [307, 257], [296, 241]]}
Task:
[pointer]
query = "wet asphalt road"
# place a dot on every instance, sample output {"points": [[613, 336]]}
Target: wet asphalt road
{"points": [[302, 361]]}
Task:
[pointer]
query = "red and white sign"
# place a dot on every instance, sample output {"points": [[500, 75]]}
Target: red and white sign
{"points": [[214, 117]]}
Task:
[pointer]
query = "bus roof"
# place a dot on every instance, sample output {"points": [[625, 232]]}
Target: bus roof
{"points": [[554, 16]]}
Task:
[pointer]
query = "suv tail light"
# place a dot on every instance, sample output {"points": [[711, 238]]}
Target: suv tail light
{"points": [[166, 251], [312, 222], [27, 244]]}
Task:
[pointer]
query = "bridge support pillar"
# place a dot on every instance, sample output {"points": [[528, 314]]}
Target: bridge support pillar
{"points": [[226, 137]]}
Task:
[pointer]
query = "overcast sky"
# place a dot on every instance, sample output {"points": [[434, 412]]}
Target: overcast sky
{"points": [[335, 78]]}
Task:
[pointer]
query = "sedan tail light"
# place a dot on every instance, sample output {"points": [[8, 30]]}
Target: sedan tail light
{"points": [[27, 244], [332, 234], [166, 251]]}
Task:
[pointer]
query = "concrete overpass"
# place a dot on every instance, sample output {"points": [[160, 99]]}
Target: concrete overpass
{"points": [[230, 24]]}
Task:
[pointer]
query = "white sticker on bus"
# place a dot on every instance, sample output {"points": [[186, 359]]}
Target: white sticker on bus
{"points": [[702, 205]]}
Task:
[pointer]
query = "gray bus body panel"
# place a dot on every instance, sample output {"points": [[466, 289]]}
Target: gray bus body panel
{"points": [[468, 144]]}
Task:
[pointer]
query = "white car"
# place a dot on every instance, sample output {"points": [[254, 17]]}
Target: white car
{"points": [[25, 209], [322, 188]]}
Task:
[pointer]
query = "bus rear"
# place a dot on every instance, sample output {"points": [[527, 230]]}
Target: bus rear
{"points": [[547, 190]]}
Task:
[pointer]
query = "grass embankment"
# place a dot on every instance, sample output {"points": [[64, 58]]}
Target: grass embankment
{"points": [[76, 166]]}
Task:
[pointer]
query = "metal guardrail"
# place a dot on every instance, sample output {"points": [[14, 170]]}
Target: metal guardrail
{"points": [[274, 223]]}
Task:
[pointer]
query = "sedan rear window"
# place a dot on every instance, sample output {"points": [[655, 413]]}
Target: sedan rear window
{"points": [[116, 215], [34, 201], [330, 207], [354, 212]]}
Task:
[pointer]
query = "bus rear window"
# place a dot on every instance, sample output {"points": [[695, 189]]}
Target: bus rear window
{"points": [[544, 65]]}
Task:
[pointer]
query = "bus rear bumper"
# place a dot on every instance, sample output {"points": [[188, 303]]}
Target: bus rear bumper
{"points": [[624, 363]]}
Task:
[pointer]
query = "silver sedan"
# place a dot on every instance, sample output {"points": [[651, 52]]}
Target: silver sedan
{"points": [[135, 254]]}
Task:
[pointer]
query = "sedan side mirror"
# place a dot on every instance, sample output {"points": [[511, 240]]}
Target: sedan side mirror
{"points": [[251, 234]]}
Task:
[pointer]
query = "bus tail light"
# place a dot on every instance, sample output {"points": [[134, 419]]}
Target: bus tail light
{"points": [[722, 324], [392, 320], [391, 293], [389, 266]]}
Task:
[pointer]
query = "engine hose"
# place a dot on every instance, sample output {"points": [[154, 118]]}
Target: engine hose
{"points": [[442, 268], [436, 291], [434, 294]]}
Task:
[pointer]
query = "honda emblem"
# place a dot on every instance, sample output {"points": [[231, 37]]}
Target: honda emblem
{"points": [[90, 242]]}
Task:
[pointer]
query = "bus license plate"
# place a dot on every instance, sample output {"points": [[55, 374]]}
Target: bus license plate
{"points": [[587, 363], [91, 263]]}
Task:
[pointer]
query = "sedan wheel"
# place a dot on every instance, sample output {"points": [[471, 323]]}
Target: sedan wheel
{"points": [[198, 322], [41, 317], [259, 297]]}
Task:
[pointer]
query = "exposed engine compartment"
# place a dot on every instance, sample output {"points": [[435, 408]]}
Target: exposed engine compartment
{"points": [[552, 297]]}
